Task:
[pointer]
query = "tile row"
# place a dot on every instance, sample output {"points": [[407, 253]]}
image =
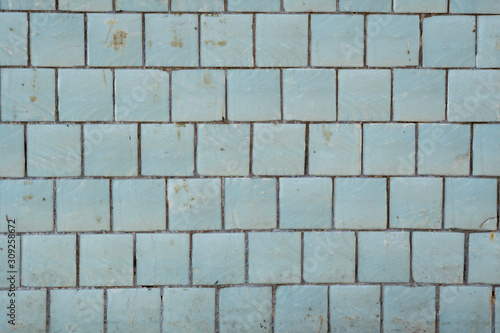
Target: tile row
{"points": [[141, 205], [369, 308], [246, 40]]}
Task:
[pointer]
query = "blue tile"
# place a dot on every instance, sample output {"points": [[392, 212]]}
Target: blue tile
{"points": [[422, 6], [449, 41], [223, 150], [250, 203], [281, 40], [219, 258], [30, 311], [253, 6], [416, 203], [443, 149], [337, 40], [305, 203], [486, 149], [82, 205], [12, 146], [365, 6], [438, 257], [174, 156], [28, 94], [208, 102], [334, 149], [484, 258], [364, 95], [114, 40], [392, 40], [48, 155], [86, 5], [28, 4], [142, 95], [384, 256], [301, 309], [172, 40], [245, 309], [329, 257], [355, 308], [409, 309], [470, 203], [274, 257], [419, 95], [488, 42], [139, 205], [142, 6], [188, 310], [360, 203], [309, 94], [310, 5], [278, 149], [253, 95], [226, 40], [197, 5], [389, 149], [194, 204], [13, 39], [475, 6]]}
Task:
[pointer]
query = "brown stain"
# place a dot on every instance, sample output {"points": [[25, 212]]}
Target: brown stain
{"points": [[206, 78], [497, 45], [492, 237], [213, 43], [320, 323], [172, 242], [27, 197], [104, 76], [177, 188], [33, 98], [28, 182], [178, 134], [180, 125], [222, 43], [119, 40], [326, 133], [177, 42], [150, 44]]}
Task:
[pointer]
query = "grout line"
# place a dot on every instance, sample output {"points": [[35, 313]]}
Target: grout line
{"points": [[446, 95], [492, 309], [356, 256], [381, 308], [54, 206], [82, 151], [273, 306], [195, 170], [498, 206], [281, 94], [364, 40], [416, 149], [139, 151], [47, 311], [309, 40], [143, 32], [333, 204], [105, 301], [111, 205], [277, 203], [250, 160], [199, 40], [471, 151], [254, 38], [217, 324], [442, 204], [25, 150], [225, 116], [466, 259], [362, 150], [387, 202], [190, 259], [302, 257], [222, 197], [77, 250], [170, 74], [328, 320], [134, 251], [306, 151], [412, 281], [114, 5], [28, 40], [420, 42], [436, 309], [475, 40], [56, 94], [336, 94], [113, 76], [167, 215], [161, 309], [247, 267], [85, 40], [391, 97]]}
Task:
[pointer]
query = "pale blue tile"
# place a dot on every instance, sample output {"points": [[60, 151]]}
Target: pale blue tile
{"points": [[484, 258], [443, 149], [77, 309], [486, 149], [409, 309], [162, 259], [114, 39], [142, 95], [364, 94], [219, 258], [13, 39], [360, 203], [48, 155], [274, 257], [106, 260], [82, 204], [142, 5], [133, 310], [389, 149], [475, 6], [12, 148], [337, 40], [488, 42], [365, 6], [174, 156], [384, 256], [28, 4], [188, 310], [281, 40], [301, 309], [223, 150], [38, 265], [438, 257], [449, 41], [309, 94], [421, 6], [197, 5], [329, 257], [208, 102], [86, 5], [250, 203], [30, 311], [416, 203], [6, 279], [253, 6], [355, 308], [172, 40], [305, 203], [28, 94], [226, 40], [85, 94], [470, 203], [472, 95], [245, 309], [194, 204], [278, 149], [63, 32], [464, 309], [310, 5], [139, 205], [419, 95], [334, 149], [253, 95], [392, 40], [110, 150], [29, 203]]}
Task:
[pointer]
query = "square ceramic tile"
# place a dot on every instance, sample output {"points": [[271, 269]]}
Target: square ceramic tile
{"points": [[197, 5], [14, 39], [484, 254], [86, 5], [486, 149], [12, 145], [30, 307], [310, 5], [188, 310]]}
